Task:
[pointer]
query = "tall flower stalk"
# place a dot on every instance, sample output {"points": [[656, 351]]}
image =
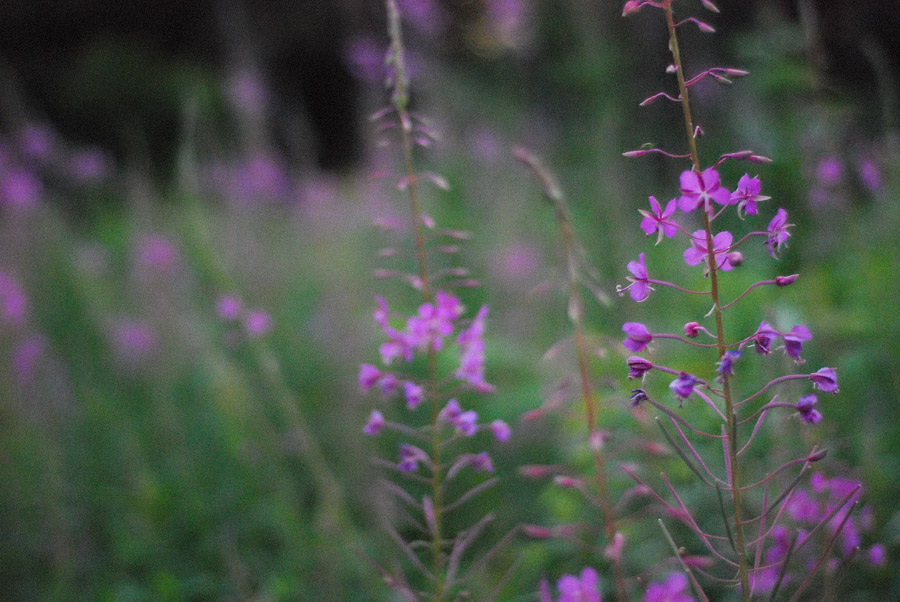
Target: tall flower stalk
{"points": [[703, 192], [429, 474], [557, 199]]}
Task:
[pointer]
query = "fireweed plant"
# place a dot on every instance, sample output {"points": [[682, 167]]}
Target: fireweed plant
{"points": [[433, 465], [754, 552], [601, 496]]}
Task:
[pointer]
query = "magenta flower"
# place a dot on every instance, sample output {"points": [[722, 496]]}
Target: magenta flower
{"points": [[415, 394], [747, 195], [481, 462], [637, 336], [640, 281], [778, 233], [375, 423], [793, 341], [658, 220], [471, 353], [763, 337], [637, 397], [825, 379], [638, 366], [388, 384], [229, 307], [805, 405], [410, 456], [877, 555], [683, 386], [697, 189], [368, 376], [584, 588], [698, 251], [726, 365], [257, 323], [673, 589], [501, 431]]}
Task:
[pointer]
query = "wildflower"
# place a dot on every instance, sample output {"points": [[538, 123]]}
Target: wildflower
{"points": [[466, 423], [701, 188], [793, 341], [877, 555], [414, 393], [786, 280], [637, 336], [481, 462], [637, 396], [763, 338], [747, 195], [257, 323], [640, 281], [410, 456], [692, 330], [658, 221], [825, 379], [500, 430], [778, 233], [726, 365], [830, 171], [368, 376], [584, 588], [638, 366], [388, 384], [228, 307], [673, 589], [807, 412], [471, 352], [698, 250], [375, 423], [683, 386]]}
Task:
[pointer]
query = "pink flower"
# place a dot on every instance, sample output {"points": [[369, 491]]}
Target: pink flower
{"points": [[414, 394], [702, 188], [501, 431], [640, 280], [637, 336], [658, 220], [778, 233], [698, 251], [825, 379], [747, 195], [375, 423]]}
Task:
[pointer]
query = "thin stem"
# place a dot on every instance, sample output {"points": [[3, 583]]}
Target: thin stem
{"points": [[717, 310], [556, 197]]}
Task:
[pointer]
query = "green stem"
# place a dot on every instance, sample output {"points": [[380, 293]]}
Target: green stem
{"points": [[717, 311]]}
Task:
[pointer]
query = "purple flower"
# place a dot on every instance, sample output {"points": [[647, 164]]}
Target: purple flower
{"points": [[368, 376], [877, 555], [763, 338], [673, 589], [637, 396], [388, 383], [584, 588], [870, 175], [830, 171], [825, 379], [726, 365], [747, 195], [697, 189], [414, 394], [481, 462], [471, 353], [257, 323], [698, 250], [637, 336], [375, 423], [13, 302], [793, 341], [692, 330], [19, 189], [410, 456], [778, 233], [228, 307], [501, 431], [804, 508], [658, 220], [640, 285], [683, 386], [638, 366], [805, 405]]}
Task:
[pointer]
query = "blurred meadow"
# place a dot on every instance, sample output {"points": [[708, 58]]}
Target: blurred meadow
{"points": [[191, 244]]}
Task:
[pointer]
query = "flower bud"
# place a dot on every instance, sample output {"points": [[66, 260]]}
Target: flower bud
{"points": [[786, 280], [631, 7], [692, 330], [735, 258]]}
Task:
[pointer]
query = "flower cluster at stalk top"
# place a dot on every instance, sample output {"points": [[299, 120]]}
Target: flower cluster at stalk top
{"points": [[436, 327], [704, 192]]}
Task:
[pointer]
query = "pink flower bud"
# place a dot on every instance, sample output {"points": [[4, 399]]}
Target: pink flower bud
{"points": [[786, 280], [692, 330]]}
